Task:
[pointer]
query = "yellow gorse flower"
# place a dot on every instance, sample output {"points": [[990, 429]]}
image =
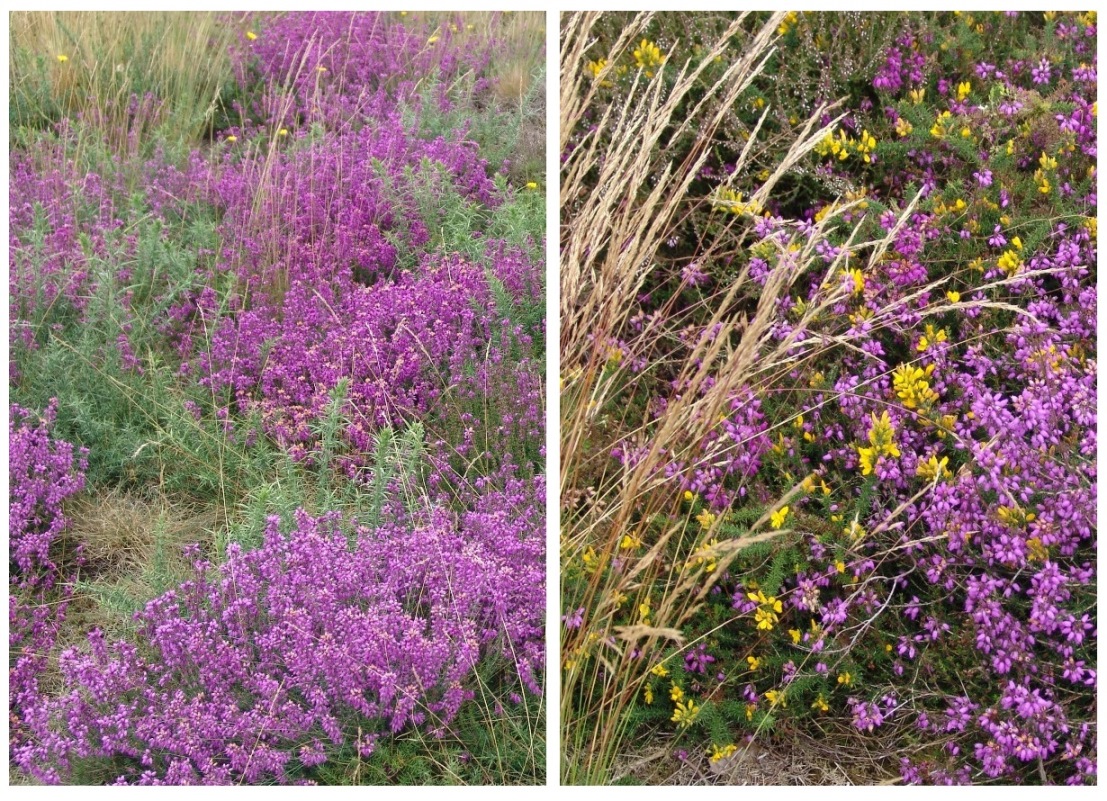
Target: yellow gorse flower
{"points": [[718, 753], [933, 469], [768, 610], [904, 127], [912, 386], [778, 517], [790, 19], [938, 130], [732, 202], [963, 90], [1009, 262], [685, 714], [251, 35], [881, 441], [845, 679], [648, 56], [931, 337], [706, 519], [62, 57]]}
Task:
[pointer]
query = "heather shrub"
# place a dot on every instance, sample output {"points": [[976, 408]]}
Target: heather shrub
{"points": [[821, 426]]}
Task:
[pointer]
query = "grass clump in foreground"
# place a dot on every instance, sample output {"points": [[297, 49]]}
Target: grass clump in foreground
{"points": [[828, 428], [277, 483]]}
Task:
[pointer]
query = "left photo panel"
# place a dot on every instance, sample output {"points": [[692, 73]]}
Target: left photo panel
{"points": [[277, 398]]}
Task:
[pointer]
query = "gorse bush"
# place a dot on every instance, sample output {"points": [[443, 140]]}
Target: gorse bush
{"points": [[832, 444], [316, 332]]}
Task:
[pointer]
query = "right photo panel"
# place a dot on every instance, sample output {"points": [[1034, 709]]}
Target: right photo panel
{"points": [[828, 398]]}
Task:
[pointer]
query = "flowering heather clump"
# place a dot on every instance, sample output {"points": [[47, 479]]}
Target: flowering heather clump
{"points": [[342, 67], [255, 670], [42, 473], [319, 333], [898, 547]]}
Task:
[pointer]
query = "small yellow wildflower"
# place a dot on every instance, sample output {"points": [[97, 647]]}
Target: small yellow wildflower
{"points": [[532, 185], [659, 670], [858, 281], [629, 542], [845, 679], [938, 130], [589, 556], [1044, 185], [685, 714], [855, 531], [675, 693], [63, 58], [912, 386], [963, 90], [1036, 551], [251, 35], [790, 19], [1047, 161], [820, 704], [1017, 242], [433, 39], [596, 67], [768, 610], [840, 566], [953, 296], [689, 496], [648, 56], [917, 95], [796, 636], [904, 127], [755, 663], [232, 138], [1009, 262], [648, 692], [931, 337], [282, 132], [644, 611], [721, 753], [732, 202], [1015, 516], [775, 697], [706, 519], [778, 517], [933, 470]]}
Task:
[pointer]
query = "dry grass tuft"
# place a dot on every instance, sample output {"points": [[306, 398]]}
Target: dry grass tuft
{"points": [[180, 57], [124, 532]]}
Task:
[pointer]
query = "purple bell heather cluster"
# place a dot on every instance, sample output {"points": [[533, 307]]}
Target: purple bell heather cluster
{"points": [[271, 659]]}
